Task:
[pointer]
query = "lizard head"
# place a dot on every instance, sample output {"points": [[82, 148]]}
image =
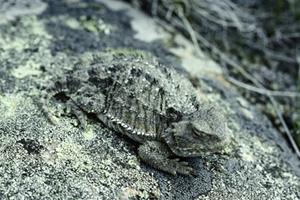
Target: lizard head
{"points": [[200, 132]]}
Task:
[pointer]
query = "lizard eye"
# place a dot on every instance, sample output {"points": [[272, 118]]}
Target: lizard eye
{"points": [[196, 131], [173, 114], [201, 129]]}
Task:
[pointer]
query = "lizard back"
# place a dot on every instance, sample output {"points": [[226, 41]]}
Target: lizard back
{"points": [[141, 96]]}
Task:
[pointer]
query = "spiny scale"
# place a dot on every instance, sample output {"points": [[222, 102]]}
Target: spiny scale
{"points": [[137, 95], [137, 100], [126, 110]]}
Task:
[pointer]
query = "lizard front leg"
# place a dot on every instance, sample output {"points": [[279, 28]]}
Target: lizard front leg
{"points": [[157, 154]]}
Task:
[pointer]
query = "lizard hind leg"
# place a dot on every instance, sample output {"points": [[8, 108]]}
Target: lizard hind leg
{"points": [[72, 108], [157, 154], [44, 103], [44, 99]]}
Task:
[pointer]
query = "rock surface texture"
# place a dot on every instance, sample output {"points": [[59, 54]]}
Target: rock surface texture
{"points": [[43, 40]]}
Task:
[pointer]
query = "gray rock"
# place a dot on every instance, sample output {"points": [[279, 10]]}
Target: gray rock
{"points": [[39, 160], [11, 9]]}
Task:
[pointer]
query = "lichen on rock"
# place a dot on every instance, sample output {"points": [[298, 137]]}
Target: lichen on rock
{"points": [[41, 161]]}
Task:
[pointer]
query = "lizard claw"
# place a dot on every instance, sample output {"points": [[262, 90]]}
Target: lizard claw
{"points": [[181, 167]]}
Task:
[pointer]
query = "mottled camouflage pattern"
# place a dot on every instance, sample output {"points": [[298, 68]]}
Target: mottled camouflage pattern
{"points": [[154, 105]]}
